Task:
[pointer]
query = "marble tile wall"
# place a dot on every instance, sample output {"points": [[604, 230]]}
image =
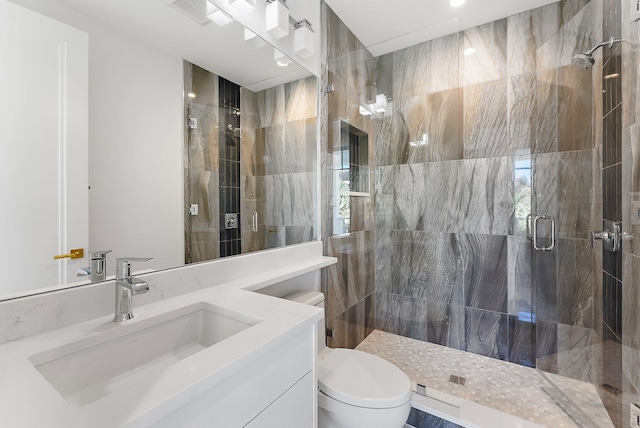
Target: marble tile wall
{"points": [[349, 285], [201, 155], [450, 217], [621, 144], [278, 164]]}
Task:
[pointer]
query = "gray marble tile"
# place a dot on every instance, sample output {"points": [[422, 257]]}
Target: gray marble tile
{"points": [[437, 115], [420, 264], [487, 196], [296, 153], [290, 200], [271, 106], [578, 356], [402, 315], [575, 109], [631, 319], [521, 296], [489, 62], [581, 28], [203, 142], [521, 101], [522, 341], [426, 196], [487, 333], [446, 60], [545, 272], [631, 187], [576, 283], [412, 71], [526, 32], [353, 278], [486, 127], [575, 194], [346, 55], [348, 328], [384, 198], [546, 113], [298, 234], [446, 325], [484, 266], [301, 98], [273, 140], [547, 346]]}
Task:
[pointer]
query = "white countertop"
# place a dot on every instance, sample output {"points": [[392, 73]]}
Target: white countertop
{"points": [[28, 400]]}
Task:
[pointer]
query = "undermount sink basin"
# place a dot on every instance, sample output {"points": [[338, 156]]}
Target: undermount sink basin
{"points": [[87, 370]]}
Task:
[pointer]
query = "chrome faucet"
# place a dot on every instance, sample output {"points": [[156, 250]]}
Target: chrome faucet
{"points": [[126, 287], [99, 265]]}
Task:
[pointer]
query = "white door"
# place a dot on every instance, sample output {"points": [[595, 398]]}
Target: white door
{"points": [[43, 149]]}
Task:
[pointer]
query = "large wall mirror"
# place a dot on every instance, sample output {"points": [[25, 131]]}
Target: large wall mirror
{"points": [[200, 140]]}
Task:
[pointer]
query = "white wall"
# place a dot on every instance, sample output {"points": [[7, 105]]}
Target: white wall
{"points": [[135, 143]]}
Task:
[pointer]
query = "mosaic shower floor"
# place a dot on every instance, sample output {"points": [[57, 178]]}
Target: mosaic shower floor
{"points": [[507, 387]]}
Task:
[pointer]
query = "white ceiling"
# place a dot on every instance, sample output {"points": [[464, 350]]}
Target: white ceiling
{"points": [[384, 26], [221, 50]]}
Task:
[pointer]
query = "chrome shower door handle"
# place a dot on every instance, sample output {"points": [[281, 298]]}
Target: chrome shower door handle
{"points": [[535, 233], [254, 223]]}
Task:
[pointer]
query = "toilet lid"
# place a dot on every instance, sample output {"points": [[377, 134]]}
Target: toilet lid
{"points": [[362, 379]]}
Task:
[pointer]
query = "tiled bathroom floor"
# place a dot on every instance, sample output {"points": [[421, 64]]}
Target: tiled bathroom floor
{"points": [[509, 388]]}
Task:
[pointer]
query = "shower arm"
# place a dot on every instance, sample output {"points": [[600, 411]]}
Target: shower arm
{"points": [[608, 43]]}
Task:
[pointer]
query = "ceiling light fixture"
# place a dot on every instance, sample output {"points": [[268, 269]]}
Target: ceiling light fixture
{"points": [[469, 51], [456, 3], [191, 95], [217, 16], [277, 18], [303, 39], [244, 6]]}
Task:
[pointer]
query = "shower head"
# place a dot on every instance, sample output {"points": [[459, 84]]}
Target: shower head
{"points": [[585, 59]]}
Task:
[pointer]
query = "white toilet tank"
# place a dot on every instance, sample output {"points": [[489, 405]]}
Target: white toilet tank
{"points": [[313, 298]]}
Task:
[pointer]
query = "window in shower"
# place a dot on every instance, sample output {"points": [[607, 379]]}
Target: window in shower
{"points": [[350, 170]]}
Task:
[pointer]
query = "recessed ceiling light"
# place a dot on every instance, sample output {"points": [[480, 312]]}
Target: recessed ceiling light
{"points": [[469, 51], [191, 95], [456, 3]]}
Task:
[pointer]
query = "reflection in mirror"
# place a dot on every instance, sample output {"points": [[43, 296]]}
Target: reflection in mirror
{"points": [[250, 165], [139, 144]]}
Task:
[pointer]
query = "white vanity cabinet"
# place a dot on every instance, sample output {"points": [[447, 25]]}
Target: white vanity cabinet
{"points": [[276, 389]]}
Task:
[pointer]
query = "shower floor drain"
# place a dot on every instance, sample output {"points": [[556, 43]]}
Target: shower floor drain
{"points": [[457, 379]]}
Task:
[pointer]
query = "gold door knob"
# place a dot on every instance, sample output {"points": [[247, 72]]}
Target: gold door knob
{"points": [[76, 253]]}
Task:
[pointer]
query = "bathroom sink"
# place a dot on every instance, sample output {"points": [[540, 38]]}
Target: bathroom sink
{"points": [[87, 370]]}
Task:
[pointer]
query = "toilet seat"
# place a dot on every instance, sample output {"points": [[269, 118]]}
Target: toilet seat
{"points": [[361, 379]]}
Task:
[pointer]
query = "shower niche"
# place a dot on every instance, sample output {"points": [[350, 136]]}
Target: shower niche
{"points": [[351, 171]]}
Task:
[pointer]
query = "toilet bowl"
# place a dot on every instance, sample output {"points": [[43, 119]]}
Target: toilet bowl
{"points": [[356, 389]]}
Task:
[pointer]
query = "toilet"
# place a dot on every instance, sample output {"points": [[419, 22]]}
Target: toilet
{"points": [[356, 389]]}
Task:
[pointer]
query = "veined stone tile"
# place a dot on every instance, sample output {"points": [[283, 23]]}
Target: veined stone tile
{"points": [[631, 319], [575, 109], [522, 92], [576, 283], [486, 128], [301, 99], [402, 315], [575, 194], [412, 71], [487, 204], [484, 264], [489, 62], [521, 291], [486, 333]]}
